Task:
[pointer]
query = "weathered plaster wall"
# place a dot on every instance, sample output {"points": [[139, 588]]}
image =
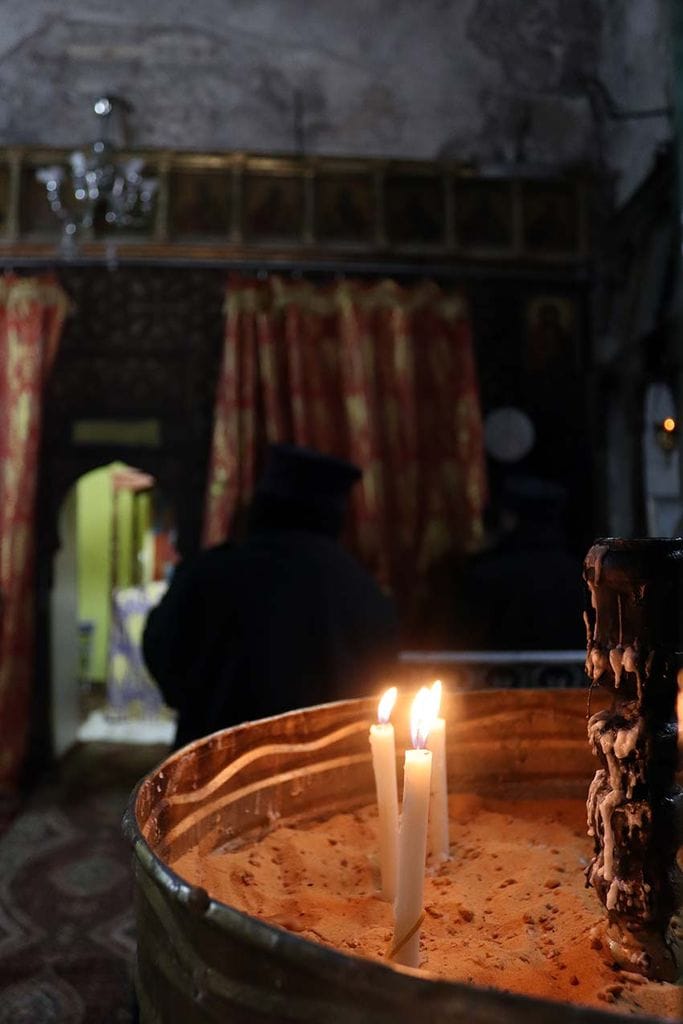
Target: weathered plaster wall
{"points": [[636, 65], [489, 80]]}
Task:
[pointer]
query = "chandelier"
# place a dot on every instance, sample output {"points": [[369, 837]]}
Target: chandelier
{"points": [[99, 189]]}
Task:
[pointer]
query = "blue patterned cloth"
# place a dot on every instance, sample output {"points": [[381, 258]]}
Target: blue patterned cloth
{"points": [[131, 691]]}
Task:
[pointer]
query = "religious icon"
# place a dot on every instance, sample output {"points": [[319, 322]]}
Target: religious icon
{"points": [[550, 344], [483, 214], [35, 216], [200, 203], [345, 208], [550, 216], [4, 198], [273, 207], [415, 209]]}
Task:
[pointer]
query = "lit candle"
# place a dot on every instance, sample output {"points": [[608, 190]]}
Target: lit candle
{"points": [[412, 842], [679, 717], [438, 803], [383, 747]]}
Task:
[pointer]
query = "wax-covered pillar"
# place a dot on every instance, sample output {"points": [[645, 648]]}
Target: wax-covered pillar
{"points": [[634, 633]]}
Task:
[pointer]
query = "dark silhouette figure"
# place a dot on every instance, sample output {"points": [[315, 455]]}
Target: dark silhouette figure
{"points": [[526, 592], [285, 619], [522, 591]]}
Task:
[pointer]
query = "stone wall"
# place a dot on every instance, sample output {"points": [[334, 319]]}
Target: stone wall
{"points": [[485, 80], [636, 67]]}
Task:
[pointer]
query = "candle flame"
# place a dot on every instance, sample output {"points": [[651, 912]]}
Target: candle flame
{"points": [[421, 717], [435, 694], [386, 705]]}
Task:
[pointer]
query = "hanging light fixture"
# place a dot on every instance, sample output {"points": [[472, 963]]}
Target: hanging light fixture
{"points": [[99, 188]]}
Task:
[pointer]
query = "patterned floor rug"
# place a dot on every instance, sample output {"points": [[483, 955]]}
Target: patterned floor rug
{"points": [[66, 925]]}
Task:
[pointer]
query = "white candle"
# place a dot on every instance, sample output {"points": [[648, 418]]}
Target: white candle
{"points": [[412, 843], [679, 717], [438, 803], [383, 747]]}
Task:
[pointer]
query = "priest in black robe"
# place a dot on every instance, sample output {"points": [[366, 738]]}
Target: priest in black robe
{"points": [[286, 619]]}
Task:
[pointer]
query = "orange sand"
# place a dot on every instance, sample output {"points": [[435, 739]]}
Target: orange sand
{"points": [[509, 909]]}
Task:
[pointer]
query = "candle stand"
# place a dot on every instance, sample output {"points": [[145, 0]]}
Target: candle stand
{"points": [[635, 806]]}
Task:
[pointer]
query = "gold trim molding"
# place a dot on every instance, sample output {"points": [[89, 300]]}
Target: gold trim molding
{"points": [[256, 206]]}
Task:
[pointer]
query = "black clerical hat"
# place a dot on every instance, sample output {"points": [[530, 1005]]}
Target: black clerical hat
{"points": [[293, 473]]}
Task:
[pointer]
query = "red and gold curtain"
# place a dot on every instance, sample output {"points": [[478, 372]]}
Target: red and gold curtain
{"points": [[32, 312], [381, 374]]}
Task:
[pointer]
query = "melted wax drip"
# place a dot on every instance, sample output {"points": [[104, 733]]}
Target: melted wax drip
{"points": [[619, 806]]}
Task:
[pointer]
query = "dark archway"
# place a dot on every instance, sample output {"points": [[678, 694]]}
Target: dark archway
{"points": [[134, 381]]}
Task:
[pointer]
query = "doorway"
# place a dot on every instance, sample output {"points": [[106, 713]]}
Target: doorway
{"points": [[117, 551]]}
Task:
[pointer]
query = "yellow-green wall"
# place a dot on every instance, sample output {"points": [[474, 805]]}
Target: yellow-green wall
{"points": [[98, 509], [124, 504], [94, 523]]}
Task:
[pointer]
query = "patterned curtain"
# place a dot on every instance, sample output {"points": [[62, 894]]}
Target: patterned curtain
{"points": [[32, 312], [377, 373]]}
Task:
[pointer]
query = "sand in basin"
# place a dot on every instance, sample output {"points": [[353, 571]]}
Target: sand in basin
{"points": [[508, 910]]}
